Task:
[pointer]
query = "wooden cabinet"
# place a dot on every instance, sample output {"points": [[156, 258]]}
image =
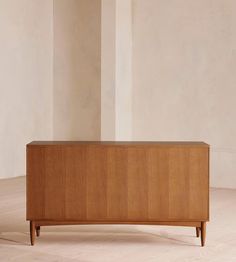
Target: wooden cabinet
{"points": [[159, 183]]}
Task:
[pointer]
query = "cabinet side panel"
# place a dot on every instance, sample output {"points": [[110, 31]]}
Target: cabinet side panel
{"points": [[35, 183], [198, 184]]}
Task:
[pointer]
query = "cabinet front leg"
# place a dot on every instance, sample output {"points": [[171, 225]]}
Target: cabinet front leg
{"points": [[203, 233], [32, 232]]}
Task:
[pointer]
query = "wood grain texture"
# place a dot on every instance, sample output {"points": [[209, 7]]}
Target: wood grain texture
{"points": [[75, 181], [158, 186], [32, 232], [137, 184], [96, 182], [35, 183], [178, 184], [118, 182], [203, 233], [120, 143], [76, 222]]}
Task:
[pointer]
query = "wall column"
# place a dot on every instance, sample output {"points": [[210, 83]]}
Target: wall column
{"points": [[108, 70], [116, 87]]}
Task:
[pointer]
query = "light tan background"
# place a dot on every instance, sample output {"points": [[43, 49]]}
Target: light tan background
{"points": [[50, 75], [77, 70], [116, 69], [184, 75], [26, 63]]}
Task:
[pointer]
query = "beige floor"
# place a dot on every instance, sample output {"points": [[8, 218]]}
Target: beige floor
{"points": [[115, 243]]}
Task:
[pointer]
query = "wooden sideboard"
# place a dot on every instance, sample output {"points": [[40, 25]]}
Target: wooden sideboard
{"points": [[151, 183]]}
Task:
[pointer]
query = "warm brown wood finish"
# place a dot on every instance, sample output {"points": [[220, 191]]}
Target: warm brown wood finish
{"points": [[37, 231], [118, 182], [163, 223], [32, 232], [197, 231], [203, 233]]}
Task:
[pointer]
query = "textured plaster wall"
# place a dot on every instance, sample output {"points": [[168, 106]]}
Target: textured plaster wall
{"points": [[77, 70], [50, 75], [123, 70], [184, 64], [25, 79], [108, 70], [116, 72]]}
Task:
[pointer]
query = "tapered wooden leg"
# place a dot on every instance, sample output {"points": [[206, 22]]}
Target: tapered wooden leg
{"points": [[203, 233], [37, 231], [32, 232], [197, 231]]}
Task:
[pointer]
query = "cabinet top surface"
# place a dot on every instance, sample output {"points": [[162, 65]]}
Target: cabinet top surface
{"points": [[120, 143]]}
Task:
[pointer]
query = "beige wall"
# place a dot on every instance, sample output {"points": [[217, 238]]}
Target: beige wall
{"points": [[50, 75], [77, 70], [184, 64], [108, 70], [123, 70], [116, 70], [25, 79]]}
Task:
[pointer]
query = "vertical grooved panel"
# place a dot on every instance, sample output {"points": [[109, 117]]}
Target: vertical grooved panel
{"points": [[158, 190], [76, 177], [35, 183], [178, 183], [55, 182], [117, 167], [96, 163], [126, 183], [137, 184]]}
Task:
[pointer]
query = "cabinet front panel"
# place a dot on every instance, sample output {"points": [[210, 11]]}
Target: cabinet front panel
{"points": [[178, 184], [75, 183], [117, 183]]}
